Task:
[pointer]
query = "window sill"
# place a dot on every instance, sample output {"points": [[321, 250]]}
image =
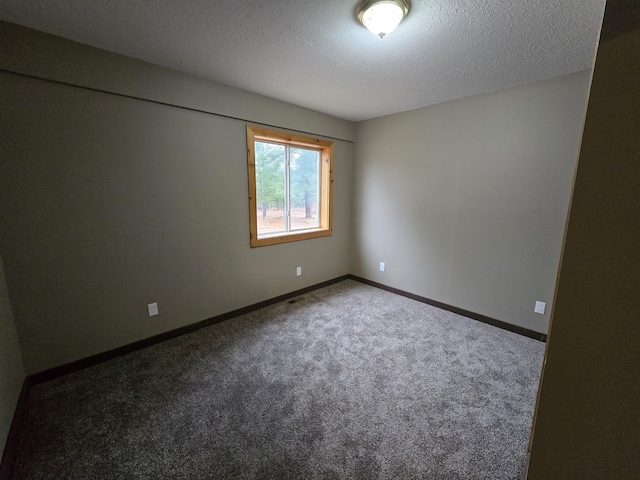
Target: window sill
{"points": [[290, 237]]}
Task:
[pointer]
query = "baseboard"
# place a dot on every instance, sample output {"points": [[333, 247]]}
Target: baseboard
{"points": [[525, 472], [13, 439], [466, 313], [11, 446], [77, 365], [147, 342]]}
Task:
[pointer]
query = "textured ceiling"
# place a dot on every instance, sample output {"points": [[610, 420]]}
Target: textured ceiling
{"points": [[315, 53]]}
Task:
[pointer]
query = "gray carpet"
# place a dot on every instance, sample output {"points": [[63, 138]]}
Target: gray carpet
{"points": [[348, 382]]}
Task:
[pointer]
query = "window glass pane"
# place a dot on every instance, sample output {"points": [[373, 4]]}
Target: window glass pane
{"points": [[289, 185], [270, 188], [304, 191]]}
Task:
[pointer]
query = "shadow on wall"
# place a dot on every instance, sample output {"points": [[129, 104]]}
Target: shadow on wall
{"points": [[623, 19], [11, 367]]}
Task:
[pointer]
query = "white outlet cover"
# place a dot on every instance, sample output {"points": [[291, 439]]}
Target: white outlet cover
{"points": [[298, 271], [153, 309], [382, 266], [540, 307]]}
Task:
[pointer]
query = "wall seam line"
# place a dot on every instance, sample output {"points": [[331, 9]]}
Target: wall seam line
{"points": [[159, 102]]}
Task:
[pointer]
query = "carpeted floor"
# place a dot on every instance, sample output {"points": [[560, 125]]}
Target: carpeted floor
{"points": [[348, 382]]}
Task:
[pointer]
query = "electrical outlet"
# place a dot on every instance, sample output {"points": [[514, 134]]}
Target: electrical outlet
{"points": [[382, 266], [298, 271], [540, 307], [153, 309]]}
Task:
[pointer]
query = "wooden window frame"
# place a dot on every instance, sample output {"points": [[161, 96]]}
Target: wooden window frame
{"points": [[326, 184]]}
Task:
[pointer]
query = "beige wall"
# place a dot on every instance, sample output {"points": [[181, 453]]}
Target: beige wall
{"points": [[113, 202], [11, 369], [466, 201], [588, 422], [109, 203], [46, 56]]}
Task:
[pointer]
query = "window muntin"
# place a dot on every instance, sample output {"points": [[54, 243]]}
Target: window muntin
{"points": [[290, 186]]}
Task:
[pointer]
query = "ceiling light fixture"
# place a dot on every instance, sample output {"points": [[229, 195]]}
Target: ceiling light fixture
{"points": [[382, 16]]}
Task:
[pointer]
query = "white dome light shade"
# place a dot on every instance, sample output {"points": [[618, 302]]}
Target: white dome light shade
{"points": [[382, 17]]}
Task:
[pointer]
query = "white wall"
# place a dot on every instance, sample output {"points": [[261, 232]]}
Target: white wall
{"points": [[11, 369], [109, 203], [466, 201]]}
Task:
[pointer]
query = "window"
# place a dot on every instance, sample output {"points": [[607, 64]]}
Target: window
{"points": [[290, 186]]}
